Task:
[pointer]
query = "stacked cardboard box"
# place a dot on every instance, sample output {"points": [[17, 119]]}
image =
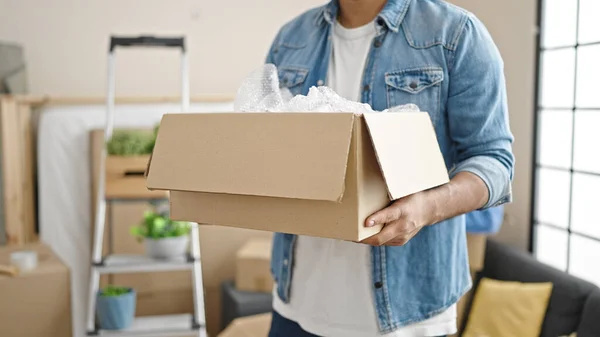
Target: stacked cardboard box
{"points": [[37, 302], [253, 268]]}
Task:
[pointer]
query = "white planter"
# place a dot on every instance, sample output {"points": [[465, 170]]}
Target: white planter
{"points": [[167, 248]]}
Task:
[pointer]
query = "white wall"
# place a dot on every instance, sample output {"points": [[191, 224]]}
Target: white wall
{"points": [[512, 24], [66, 44]]}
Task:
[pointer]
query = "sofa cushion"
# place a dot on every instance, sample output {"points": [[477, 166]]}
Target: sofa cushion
{"points": [[508, 309], [569, 293]]}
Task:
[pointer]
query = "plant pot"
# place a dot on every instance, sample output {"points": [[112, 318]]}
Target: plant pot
{"points": [[167, 248], [116, 312]]}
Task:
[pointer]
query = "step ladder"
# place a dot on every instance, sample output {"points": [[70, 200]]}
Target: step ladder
{"points": [[183, 325]]}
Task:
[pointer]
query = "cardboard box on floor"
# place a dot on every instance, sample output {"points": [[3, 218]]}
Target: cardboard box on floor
{"points": [[250, 326], [316, 174], [253, 266], [157, 293], [38, 302]]}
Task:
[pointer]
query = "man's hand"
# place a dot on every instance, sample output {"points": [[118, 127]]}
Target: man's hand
{"points": [[404, 218], [401, 221]]}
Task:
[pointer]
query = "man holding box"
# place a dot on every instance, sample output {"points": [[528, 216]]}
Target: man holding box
{"points": [[406, 280]]}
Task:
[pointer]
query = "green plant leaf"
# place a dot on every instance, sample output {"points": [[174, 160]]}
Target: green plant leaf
{"points": [[131, 143], [157, 226], [113, 291]]}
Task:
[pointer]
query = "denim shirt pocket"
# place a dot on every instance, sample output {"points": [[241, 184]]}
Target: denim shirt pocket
{"points": [[420, 86], [292, 78]]}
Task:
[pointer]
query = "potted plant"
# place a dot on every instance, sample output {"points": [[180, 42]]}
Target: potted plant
{"points": [[130, 143], [163, 237], [115, 307]]}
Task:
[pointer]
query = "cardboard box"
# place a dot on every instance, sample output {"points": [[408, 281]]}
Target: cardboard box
{"points": [[253, 266], [476, 244], [38, 302], [124, 175], [316, 174], [251, 326], [125, 178]]}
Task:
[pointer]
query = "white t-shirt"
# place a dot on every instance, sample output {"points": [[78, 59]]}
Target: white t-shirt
{"points": [[331, 292]]}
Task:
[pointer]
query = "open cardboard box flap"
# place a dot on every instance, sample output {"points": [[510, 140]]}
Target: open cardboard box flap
{"points": [[407, 152], [290, 155]]}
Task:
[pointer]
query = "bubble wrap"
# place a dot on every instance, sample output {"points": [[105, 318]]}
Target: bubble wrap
{"points": [[260, 92]]}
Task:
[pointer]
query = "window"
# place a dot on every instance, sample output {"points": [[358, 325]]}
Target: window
{"points": [[566, 188]]}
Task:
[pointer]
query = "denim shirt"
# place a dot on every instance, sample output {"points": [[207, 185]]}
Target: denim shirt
{"points": [[440, 57]]}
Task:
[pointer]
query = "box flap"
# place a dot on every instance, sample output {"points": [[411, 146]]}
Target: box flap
{"points": [[407, 151], [287, 155]]}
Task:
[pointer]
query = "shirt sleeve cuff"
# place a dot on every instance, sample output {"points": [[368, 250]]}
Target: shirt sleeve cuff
{"points": [[494, 175]]}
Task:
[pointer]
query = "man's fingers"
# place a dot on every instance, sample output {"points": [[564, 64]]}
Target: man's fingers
{"points": [[392, 234], [386, 234], [384, 216]]}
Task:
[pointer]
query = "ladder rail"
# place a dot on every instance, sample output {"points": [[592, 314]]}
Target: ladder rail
{"points": [[101, 204], [185, 82], [198, 288], [100, 216]]}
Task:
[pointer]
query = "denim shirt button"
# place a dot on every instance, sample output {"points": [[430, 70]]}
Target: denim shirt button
{"points": [[378, 285], [285, 262], [377, 43], [320, 82], [366, 87]]}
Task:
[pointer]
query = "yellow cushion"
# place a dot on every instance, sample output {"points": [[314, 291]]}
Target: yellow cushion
{"points": [[508, 309]]}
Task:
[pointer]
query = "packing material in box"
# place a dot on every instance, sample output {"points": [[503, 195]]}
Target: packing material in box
{"points": [[250, 326], [253, 266], [316, 174], [36, 302]]}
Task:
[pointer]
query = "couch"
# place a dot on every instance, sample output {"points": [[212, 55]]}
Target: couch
{"points": [[574, 304]]}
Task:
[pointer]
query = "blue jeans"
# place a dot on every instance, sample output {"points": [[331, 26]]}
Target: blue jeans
{"points": [[283, 327]]}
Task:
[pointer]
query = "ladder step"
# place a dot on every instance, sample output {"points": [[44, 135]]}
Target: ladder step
{"points": [[124, 263], [158, 326]]}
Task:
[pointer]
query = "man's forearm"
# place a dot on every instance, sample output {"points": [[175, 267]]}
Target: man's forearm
{"points": [[464, 193]]}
